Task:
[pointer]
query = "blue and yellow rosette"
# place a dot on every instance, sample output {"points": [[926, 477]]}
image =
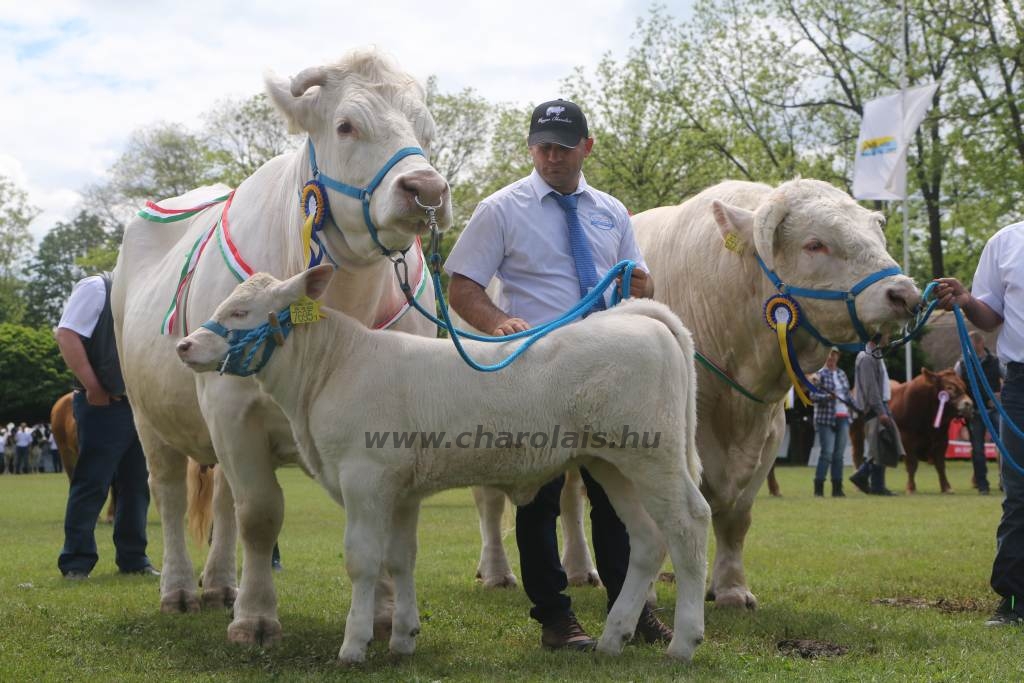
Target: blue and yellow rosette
{"points": [[782, 314], [314, 205]]}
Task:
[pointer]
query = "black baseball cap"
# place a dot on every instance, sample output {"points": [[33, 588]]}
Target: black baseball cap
{"points": [[559, 121]]}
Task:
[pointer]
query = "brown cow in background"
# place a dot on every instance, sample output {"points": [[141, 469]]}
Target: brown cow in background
{"points": [[914, 406]]}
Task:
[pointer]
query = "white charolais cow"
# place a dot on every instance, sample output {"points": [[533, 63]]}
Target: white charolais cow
{"points": [[360, 115], [327, 377], [814, 236]]}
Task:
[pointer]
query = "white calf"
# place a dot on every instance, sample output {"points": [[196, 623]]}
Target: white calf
{"points": [[338, 383]]}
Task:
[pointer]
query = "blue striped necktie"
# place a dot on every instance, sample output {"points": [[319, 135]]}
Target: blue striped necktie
{"points": [[579, 245]]}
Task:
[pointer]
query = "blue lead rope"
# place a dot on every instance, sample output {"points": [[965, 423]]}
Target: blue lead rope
{"points": [[625, 268], [976, 377]]}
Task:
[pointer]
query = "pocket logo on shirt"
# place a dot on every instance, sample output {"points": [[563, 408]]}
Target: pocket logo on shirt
{"points": [[602, 221]]}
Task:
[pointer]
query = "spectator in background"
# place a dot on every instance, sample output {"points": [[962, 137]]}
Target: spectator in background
{"points": [[871, 380], [994, 376], [54, 451], [832, 422], [22, 442]]}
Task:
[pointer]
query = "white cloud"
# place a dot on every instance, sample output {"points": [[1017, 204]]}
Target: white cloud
{"points": [[77, 78]]}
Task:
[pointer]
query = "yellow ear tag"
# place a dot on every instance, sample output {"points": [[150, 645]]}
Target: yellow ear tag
{"points": [[733, 243], [305, 310]]}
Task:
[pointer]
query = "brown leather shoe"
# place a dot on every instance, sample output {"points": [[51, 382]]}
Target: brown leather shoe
{"points": [[565, 633], [650, 629]]}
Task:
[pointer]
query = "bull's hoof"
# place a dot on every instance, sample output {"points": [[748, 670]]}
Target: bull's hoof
{"points": [[948, 491], [259, 631], [179, 602], [501, 581], [590, 578], [709, 596], [220, 598], [736, 599]]}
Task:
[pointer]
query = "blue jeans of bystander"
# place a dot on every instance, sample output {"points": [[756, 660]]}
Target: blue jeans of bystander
{"points": [[832, 440]]}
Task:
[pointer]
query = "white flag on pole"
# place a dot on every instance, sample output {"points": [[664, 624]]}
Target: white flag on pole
{"points": [[880, 167]]}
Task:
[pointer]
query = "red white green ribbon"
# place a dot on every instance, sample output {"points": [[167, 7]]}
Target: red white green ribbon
{"points": [[153, 211], [389, 319], [175, 320]]}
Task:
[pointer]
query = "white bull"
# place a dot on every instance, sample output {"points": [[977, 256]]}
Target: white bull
{"points": [[563, 385], [814, 236], [357, 113]]}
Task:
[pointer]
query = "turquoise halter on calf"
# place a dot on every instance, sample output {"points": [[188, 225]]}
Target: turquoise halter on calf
{"points": [[849, 296], [270, 335], [363, 194]]}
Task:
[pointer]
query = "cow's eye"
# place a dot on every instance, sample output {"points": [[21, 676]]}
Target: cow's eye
{"points": [[345, 128], [816, 246], [238, 314]]}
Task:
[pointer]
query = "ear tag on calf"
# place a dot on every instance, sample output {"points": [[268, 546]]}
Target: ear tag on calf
{"points": [[733, 243], [305, 310]]}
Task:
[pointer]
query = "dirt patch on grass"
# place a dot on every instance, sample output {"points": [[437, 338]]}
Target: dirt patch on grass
{"points": [[811, 649], [948, 605]]}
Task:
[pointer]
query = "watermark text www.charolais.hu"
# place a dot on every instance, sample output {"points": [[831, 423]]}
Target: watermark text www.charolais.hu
{"points": [[486, 439]]}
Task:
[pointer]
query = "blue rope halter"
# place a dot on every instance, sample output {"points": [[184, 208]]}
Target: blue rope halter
{"points": [[849, 296], [363, 194], [269, 335], [976, 378]]}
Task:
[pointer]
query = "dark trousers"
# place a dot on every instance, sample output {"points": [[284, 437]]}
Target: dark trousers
{"points": [[978, 447], [543, 576], [1008, 567], [21, 459], [108, 446]]}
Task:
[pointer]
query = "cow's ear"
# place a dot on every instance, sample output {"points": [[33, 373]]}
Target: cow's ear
{"points": [[317, 279], [736, 225], [294, 99], [767, 219], [927, 373]]}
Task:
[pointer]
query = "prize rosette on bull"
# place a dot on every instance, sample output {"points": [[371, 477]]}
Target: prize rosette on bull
{"points": [[315, 207], [782, 314]]}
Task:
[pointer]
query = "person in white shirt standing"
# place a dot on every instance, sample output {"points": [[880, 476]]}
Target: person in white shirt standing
{"points": [[108, 444], [549, 238], [997, 298]]}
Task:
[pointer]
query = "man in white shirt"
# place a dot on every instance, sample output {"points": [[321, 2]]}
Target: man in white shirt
{"points": [[997, 298], [22, 442], [549, 237], [108, 444]]}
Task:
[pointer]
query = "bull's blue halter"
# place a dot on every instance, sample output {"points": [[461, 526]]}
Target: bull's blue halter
{"points": [[269, 335], [314, 199], [787, 292]]}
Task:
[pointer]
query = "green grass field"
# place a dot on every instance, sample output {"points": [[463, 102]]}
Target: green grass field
{"points": [[818, 567]]}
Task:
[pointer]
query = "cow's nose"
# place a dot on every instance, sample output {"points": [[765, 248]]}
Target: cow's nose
{"points": [[903, 295], [183, 346], [426, 185]]}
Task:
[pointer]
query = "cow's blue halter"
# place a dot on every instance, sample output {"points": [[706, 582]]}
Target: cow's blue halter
{"points": [[363, 194], [787, 294], [269, 335]]}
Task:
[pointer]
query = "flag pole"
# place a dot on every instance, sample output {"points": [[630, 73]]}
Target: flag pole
{"points": [[906, 194]]}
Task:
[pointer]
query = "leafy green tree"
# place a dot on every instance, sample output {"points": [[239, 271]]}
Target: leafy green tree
{"points": [[32, 373], [15, 216], [55, 269], [243, 134]]}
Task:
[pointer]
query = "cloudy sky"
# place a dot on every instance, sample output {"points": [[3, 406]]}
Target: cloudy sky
{"points": [[77, 77]]}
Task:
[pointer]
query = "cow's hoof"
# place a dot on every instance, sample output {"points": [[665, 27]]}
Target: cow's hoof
{"points": [[501, 581], [255, 631], [351, 658], [589, 578], [948, 491], [178, 602], [738, 598], [402, 646], [709, 596], [220, 598]]}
